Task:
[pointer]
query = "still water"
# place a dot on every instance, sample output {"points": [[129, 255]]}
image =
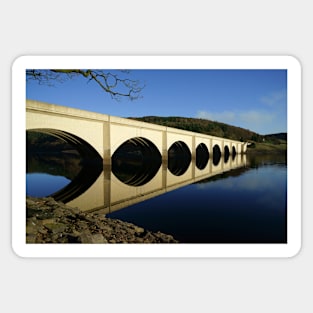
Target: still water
{"points": [[240, 200]]}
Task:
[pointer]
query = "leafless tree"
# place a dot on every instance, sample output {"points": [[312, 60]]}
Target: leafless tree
{"points": [[115, 84]]}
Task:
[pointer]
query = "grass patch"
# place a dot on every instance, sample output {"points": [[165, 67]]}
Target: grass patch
{"points": [[260, 147]]}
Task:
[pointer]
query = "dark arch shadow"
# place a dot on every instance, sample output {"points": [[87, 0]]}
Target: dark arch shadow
{"points": [[202, 156], [179, 158], [91, 165], [216, 155], [136, 161], [226, 154], [234, 152]]}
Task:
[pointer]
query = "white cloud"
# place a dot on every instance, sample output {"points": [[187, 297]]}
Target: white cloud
{"points": [[275, 98], [267, 116], [256, 118], [257, 121], [225, 117]]}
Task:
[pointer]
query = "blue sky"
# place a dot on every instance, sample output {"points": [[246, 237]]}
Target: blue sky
{"points": [[251, 99]]}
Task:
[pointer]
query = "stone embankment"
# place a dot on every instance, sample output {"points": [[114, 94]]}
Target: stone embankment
{"points": [[49, 221]]}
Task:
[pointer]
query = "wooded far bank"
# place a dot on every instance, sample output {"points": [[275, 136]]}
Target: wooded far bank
{"points": [[261, 143]]}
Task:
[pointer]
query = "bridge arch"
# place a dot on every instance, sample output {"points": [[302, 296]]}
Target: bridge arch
{"points": [[216, 154], [202, 156], [91, 165], [234, 152], [179, 158], [86, 150], [226, 153], [87, 126], [122, 130], [136, 161]]}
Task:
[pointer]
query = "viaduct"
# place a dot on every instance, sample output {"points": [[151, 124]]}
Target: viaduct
{"points": [[109, 137]]}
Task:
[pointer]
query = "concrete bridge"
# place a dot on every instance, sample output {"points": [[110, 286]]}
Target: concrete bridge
{"points": [[109, 138]]}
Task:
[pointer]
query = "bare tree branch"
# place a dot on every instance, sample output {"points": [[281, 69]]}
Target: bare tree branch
{"points": [[111, 83]]}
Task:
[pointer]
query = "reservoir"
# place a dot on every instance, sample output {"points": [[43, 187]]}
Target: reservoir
{"points": [[245, 205], [238, 199]]}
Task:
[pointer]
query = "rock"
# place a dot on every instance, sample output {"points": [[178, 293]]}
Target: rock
{"points": [[49, 221], [98, 238], [86, 237], [138, 229], [56, 227]]}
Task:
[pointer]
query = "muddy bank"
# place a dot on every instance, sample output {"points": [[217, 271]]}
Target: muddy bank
{"points": [[48, 221]]}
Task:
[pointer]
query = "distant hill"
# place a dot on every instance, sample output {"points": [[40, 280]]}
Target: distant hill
{"points": [[277, 137], [213, 128]]}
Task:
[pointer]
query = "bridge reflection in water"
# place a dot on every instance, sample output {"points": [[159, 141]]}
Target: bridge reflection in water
{"points": [[132, 180]]}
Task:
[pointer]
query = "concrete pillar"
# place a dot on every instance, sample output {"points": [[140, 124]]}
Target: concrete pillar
{"points": [[164, 158], [107, 187], [193, 156], [164, 147], [107, 143]]}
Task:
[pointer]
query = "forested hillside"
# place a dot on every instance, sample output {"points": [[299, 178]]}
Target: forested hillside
{"points": [[212, 128]]}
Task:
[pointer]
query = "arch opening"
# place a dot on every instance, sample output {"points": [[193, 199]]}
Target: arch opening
{"points": [[226, 154], [179, 158], [136, 161], [234, 152], [54, 153], [202, 156], [216, 154]]}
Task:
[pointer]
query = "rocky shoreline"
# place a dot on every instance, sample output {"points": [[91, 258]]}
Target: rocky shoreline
{"points": [[49, 221]]}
